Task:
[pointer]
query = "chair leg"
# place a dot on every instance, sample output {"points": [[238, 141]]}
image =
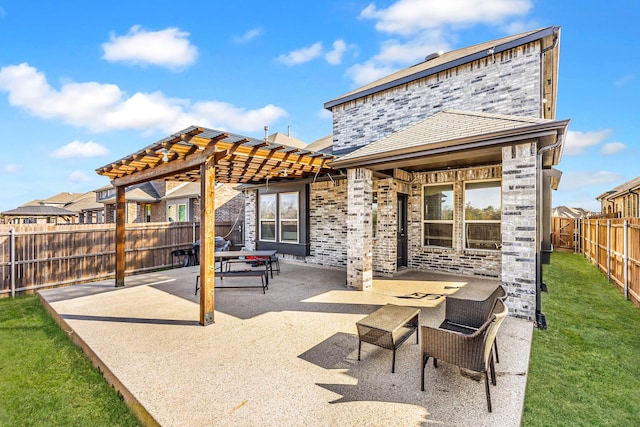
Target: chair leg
{"points": [[492, 367], [495, 349], [486, 389], [425, 359], [393, 362], [359, 347], [197, 279]]}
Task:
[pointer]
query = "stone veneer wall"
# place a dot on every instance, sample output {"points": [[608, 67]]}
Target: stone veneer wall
{"points": [[456, 260], [518, 228], [359, 228], [327, 223], [510, 85], [250, 232], [385, 242]]}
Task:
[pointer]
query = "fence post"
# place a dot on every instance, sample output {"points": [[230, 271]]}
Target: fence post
{"points": [[12, 244], [609, 250], [598, 244], [625, 259]]}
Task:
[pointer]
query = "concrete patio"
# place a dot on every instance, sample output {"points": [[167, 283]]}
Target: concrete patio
{"points": [[285, 358]]}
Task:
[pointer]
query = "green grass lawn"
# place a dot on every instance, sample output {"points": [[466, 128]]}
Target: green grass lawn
{"points": [[585, 368], [45, 380]]}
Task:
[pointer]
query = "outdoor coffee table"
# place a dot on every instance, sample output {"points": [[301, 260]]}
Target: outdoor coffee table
{"points": [[388, 327]]}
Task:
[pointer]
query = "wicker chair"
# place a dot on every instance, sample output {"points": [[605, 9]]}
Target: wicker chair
{"points": [[466, 316], [473, 352]]}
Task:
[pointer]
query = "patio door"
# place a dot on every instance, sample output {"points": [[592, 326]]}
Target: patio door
{"points": [[402, 244]]}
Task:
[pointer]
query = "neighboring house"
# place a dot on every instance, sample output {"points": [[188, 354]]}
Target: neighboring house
{"points": [[162, 201], [623, 201], [288, 140], [63, 208], [39, 214], [322, 145], [88, 209], [453, 159], [573, 213]]}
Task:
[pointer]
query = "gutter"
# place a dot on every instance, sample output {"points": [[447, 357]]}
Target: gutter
{"points": [[541, 320]]}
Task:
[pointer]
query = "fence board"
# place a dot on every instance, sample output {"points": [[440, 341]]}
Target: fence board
{"points": [[615, 249]]}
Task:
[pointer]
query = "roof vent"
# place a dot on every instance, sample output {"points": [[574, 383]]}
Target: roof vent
{"points": [[433, 55]]}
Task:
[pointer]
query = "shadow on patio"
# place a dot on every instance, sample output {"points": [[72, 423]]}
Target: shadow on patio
{"points": [[287, 357]]}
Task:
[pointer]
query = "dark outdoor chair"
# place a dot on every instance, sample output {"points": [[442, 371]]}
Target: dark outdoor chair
{"points": [[473, 352], [466, 315]]}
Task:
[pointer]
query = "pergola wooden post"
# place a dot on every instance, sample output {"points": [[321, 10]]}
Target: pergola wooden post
{"points": [[207, 240], [120, 234]]}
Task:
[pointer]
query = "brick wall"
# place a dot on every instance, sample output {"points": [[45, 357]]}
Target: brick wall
{"points": [[359, 228], [327, 219], [250, 205], [456, 260], [511, 85], [518, 228]]}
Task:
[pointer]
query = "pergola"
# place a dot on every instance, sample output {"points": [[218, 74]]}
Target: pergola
{"points": [[209, 156]]}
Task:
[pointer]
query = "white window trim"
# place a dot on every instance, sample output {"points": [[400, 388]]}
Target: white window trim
{"points": [[438, 221], [275, 220], [465, 221], [280, 220]]}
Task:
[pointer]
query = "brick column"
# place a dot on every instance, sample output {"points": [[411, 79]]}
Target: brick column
{"points": [[250, 219], [359, 231], [519, 224]]}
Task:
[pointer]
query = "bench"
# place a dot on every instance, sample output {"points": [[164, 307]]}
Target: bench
{"points": [[240, 273]]}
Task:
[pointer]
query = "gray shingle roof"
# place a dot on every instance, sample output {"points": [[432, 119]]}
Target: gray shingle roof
{"points": [[443, 127], [39, 211]]}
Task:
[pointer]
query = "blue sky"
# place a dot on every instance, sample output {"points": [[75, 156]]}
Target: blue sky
{"points": [[82, 85]]}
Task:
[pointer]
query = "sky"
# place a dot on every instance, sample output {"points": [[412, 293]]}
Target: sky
{"points": [[81, 86]]}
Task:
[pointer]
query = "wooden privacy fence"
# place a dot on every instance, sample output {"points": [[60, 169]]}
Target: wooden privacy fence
{"points": [[613, 245], [566, 233], [38, 256]]}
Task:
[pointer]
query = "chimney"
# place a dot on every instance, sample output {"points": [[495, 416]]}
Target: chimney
{"points": [[288, 130], [266, 132]]}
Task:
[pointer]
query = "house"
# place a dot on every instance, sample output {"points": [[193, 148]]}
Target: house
{"points": [[447, 165], [622, 201], [572, 213], [62, 208], [453, 158]]}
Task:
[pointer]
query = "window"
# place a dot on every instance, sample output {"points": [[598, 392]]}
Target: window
{"points": [[438, 215], [288, 204], [279, 217], [177, 212], [374, 214], [482, 213], [268, 217]]}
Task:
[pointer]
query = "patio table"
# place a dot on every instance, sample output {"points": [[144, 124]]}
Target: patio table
{"points": [[388, 327]]}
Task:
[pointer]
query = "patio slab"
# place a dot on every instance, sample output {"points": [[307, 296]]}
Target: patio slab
{"points": [[285, 358]]}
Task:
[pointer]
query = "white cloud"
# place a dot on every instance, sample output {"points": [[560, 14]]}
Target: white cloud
{"points": [[334, 57], [518, 26], [612, 148], [300, 56], [11, 168], [79, 176], [588, 179], [369, 71], [625, 80], [104, 107], [80, 149], [576, 143], [325, 114], [165, 48], [249, 35], [410, 16], [225, 115]]}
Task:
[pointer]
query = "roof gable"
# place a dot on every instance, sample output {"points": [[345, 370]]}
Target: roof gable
{"points": [[443, 62]]}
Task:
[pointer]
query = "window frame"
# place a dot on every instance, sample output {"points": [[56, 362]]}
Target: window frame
{"points": [[451, 222], [274, 220], [465, 221], [281, 220]]}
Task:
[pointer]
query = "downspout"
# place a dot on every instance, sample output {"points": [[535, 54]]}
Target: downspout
{"points": [[541, 321]]}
